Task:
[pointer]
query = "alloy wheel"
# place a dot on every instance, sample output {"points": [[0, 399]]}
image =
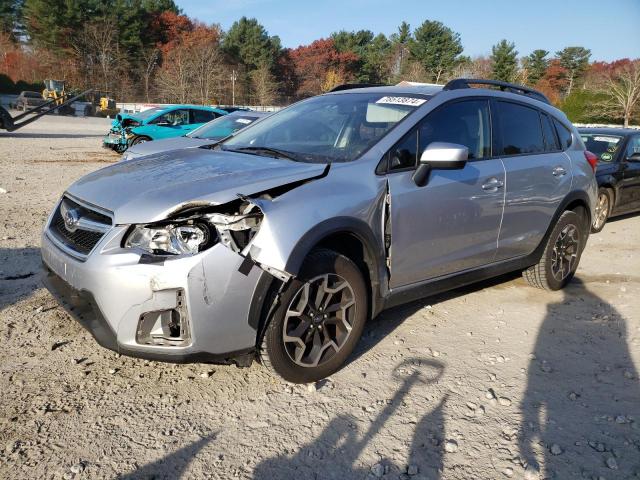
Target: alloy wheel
{"points": [[565, 252], [602, 211], [318, 320]]}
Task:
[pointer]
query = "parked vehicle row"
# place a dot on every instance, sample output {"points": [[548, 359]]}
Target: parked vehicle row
{"points": [[618, 173], [208, 134], [283, 239], [157, 123]]}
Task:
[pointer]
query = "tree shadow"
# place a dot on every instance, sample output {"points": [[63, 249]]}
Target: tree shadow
{"points": [[172, 466], [334, 453], [581, 408], [19, 274]]}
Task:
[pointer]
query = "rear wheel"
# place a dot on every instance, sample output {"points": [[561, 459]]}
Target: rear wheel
{"points": [[603, 209], [319, 319], [561, 255]]}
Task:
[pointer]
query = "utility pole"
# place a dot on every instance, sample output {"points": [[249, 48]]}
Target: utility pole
{"points": [[234, 77]]}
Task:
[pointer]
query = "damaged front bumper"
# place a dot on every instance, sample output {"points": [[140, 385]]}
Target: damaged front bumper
{"points": [[115, 138], [174, 309]]}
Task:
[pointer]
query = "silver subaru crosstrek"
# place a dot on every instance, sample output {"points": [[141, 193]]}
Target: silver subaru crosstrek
{"points": [[281, 241]]}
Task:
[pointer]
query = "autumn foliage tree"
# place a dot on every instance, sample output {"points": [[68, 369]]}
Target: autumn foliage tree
{"points": [[313, 63]]}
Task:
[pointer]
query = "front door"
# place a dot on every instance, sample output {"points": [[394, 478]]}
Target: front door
{"points": [[450, 224]]}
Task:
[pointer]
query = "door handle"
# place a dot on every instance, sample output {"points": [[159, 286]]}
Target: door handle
{"points": [[559, 172], [493, 185]]}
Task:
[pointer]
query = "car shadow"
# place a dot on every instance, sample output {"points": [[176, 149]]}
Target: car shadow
{"points": [[581, 407], [387, 321], [19, 274], [624, 216], [335, 452]]}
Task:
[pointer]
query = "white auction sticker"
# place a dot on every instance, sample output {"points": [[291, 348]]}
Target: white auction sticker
{"points": [[410, 101], [243, 120], [607, 139]]}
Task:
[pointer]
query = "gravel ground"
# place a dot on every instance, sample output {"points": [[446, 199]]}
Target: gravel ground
{"points": [[494, 381]]}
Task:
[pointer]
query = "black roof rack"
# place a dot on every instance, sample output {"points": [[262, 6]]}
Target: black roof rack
{"points": [[459, 83], [350, 86]]}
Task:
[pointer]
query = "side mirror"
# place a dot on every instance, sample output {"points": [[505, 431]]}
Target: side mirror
{"points": [[634, 157], [440, 155]]}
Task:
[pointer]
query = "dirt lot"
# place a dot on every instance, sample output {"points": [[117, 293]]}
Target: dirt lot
{"points": [[494, 381]]}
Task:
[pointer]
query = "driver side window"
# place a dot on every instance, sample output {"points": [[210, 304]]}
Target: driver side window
{"points": [[464, 123], [633, 147], [174, 117]]}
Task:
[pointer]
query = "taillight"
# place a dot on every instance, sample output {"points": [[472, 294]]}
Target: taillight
{"points": [[592, 158]]}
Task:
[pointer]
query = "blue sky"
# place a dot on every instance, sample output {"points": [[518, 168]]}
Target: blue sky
{"points": [[610, 28]]}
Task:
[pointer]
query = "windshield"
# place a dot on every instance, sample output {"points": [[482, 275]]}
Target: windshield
{"points": [[604, 146], [328, 128], [147, 113], [222, 127]]}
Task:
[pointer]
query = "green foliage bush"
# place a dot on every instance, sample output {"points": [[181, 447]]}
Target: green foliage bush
{"points": [[582, 106]]}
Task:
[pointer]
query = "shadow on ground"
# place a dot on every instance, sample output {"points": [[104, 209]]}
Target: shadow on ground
{"points": [[581, 408], [335, 451], [19, 274], [173, 465]]}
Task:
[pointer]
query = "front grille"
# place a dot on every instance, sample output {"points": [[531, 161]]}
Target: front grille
{"points": [[81, 240]]}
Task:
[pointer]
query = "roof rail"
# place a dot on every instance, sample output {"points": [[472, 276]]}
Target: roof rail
{"points": [[459, 83], [350, 86]]}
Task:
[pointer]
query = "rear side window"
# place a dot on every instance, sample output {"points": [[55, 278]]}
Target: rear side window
{"points": [[550, 138], [202, 116], [520, 129], [563, 133]]}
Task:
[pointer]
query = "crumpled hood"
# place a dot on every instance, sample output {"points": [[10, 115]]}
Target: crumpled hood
{"points": [[150, 188], [167, 145]]}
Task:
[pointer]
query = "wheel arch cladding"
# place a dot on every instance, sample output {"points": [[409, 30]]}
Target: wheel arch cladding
{"points": [[575, 199], [352, 238]]}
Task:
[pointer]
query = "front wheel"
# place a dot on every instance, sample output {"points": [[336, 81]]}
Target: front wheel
{"points": [[318, 321], [561, 255], [603, 209], [139, 140]]}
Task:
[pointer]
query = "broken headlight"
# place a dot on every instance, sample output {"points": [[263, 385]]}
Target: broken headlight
{"points": [[170, 239]]}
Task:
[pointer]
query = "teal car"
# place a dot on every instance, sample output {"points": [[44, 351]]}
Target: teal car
{"points": [[156, 123]]}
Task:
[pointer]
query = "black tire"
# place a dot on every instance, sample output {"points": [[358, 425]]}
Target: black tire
{"points": [[140, 139], [276, 355], [603, 209], [120, 148], [545, 273]]}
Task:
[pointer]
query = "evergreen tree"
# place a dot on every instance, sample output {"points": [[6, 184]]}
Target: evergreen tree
{"points": [[505, 61], [250, 44], [536, 64], [400, 46], [575, 60], [437, 48]]}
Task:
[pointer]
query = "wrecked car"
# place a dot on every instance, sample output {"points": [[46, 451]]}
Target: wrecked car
{"points": [[208, 134], [281, 241], [129, 129]]}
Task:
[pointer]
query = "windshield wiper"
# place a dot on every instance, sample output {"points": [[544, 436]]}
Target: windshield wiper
{"points": [[272, 151]]}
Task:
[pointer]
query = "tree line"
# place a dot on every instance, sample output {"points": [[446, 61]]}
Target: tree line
{"points": [[148, 50]]}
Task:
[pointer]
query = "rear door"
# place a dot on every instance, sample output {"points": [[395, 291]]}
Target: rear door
{"points": [[450, 224], [538, 174]]}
